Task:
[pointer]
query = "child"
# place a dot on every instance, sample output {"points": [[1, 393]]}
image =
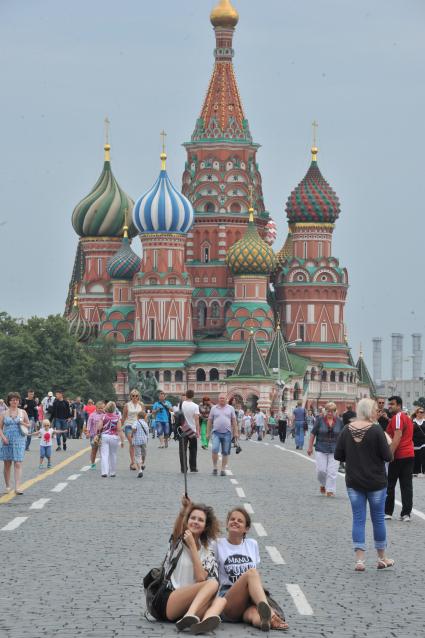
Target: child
{"points": [[94, 424], [46, 434], [139, 442]]}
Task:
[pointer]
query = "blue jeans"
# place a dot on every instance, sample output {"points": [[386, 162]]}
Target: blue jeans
{"points": [[30, 430], [376, 501], [61, 424], [299, 434], [223, 440]]}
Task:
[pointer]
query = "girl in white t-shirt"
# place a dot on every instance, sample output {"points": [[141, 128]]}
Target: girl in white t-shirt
{"points": [[240, 582], [46, 434], [190, 591]]}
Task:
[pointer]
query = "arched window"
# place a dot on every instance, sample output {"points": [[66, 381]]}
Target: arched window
{"points": [[215, 310], [235, 208], [178, 376], [167, 376], [152, 281], [200, 375], [209, 207], [297, 392], [206, 253], [202, 314], [341, 377], [324, 375], [313, 373], [227, 307], [333, 376], [214, 376], [157, 375], [229, 373]]}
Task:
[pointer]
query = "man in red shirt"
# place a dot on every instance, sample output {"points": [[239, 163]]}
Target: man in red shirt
{"points": [[400, 429]]}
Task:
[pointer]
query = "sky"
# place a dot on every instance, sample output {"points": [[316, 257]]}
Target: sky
{"points": [[355, 66]]}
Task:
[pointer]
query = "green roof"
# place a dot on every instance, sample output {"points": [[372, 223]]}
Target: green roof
{"points": [[277, 356], [338, 365], [142, 365], [213, 357], [364, 376], [251, 362]]}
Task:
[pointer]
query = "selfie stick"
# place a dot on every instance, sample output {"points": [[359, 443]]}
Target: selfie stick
{"points": [[183, 456]]}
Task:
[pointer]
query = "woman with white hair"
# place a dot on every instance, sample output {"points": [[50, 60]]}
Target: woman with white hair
{"points": [[364, 448], [324, 436]]}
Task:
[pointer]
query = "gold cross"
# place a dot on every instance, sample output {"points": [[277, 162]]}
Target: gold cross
{"points": [[315, 127], [107, 123], [163, 135]]}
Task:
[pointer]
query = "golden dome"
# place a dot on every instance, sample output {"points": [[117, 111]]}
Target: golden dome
{"points": [[224, 15], [251, 255]]}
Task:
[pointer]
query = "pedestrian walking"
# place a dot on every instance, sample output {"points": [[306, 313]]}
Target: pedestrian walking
{"points": [[13, 438], [60, 415], [299, 417], [400, 429], [30, 407], [349, 415], [272, 425], [77, 410], [190, 430], [419, 442], [188, 595], [247, 424], [129, 417], [282, 424], [3, 407], [260, 423], [47, 404], [363, 447], [140, 441], [111, 434], [46, 437], [222, 427], [162, 410], [310, 419], [204, 412], [241, 586], [94, 424], [324, 436], [383, 414]]}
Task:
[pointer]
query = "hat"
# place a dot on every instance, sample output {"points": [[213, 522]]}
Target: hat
{"points": [[50, 394]]}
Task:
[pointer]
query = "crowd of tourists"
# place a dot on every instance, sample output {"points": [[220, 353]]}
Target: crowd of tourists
{"points": [[207, 578]]}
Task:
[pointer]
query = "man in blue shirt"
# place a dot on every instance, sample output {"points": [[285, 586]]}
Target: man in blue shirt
{"points": [[161, 411], [299, 415]]}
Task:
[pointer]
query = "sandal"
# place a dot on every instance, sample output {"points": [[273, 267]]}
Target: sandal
{"points": [[133, 466], [186, 622], [322, 489], [278, 623], [359, 566], [265, 613], [205, 626], [383, 563]]}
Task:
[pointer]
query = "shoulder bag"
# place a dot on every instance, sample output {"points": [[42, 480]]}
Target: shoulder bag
{"points": [[158, 578], [22, 428]]}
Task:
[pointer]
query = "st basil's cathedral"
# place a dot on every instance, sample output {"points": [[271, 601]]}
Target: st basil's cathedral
{"points": [[210, 305]]}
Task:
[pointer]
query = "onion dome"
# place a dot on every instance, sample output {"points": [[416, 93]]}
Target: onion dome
{"points": [[102, 212], [224, 15], [163, 209], [313, 200], [287, 250], [271, 232], [125, 263], [251, 255], [78, 326]]}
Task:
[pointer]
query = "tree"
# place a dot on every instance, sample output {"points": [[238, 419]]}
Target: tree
{"points": [[41, 354]]}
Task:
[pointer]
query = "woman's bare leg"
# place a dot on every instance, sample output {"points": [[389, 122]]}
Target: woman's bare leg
{"points": [[215, 609], [131, 448], [248, 589], [6, 471], [18, 473], [188, 601]]}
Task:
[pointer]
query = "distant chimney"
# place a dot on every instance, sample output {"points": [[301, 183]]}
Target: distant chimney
{"points": [[377, 359], [397, 356], [417, 355]]}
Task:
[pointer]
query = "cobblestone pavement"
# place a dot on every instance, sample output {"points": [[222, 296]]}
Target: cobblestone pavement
{"points": [[74, 567]]}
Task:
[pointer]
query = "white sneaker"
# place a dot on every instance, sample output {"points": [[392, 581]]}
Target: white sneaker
{"points": [[405, 518], [387, 517]]}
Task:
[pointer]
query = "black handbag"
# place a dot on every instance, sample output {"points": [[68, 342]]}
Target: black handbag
{"points": [[157, 578]]}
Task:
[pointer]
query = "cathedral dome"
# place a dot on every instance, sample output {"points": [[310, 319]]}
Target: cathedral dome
{"points": [[251, 255], [102, 212], [125, 263], [163, 209], [313, 200], [224, 15], [78, 326]]}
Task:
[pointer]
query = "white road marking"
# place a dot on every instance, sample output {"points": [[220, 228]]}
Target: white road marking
{"points": [[300, 601], [229, 472], [38, 505], [73, 477], [259, 529], [275, 555], [266, 443], [14, 523], [59, 487], [85, 468], [279, 447], [234, 482], [248, 508], [240, 492]]}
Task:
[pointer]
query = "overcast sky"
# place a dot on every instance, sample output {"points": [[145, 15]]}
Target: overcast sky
{"points": [[356, 66]]}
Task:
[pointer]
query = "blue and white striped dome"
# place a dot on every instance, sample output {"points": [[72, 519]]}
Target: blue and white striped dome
{"points": [[163, 209]]}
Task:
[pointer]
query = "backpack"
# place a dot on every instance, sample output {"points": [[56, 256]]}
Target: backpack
{"points": [[157, 578]]}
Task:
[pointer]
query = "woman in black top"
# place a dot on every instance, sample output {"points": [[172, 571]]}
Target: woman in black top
{"points": [[364, 448], [419, 442]]}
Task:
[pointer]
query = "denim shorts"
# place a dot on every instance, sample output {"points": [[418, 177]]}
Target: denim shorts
{"points": [[128, 429], [45, 451], [162, 428], [223, 440]]}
